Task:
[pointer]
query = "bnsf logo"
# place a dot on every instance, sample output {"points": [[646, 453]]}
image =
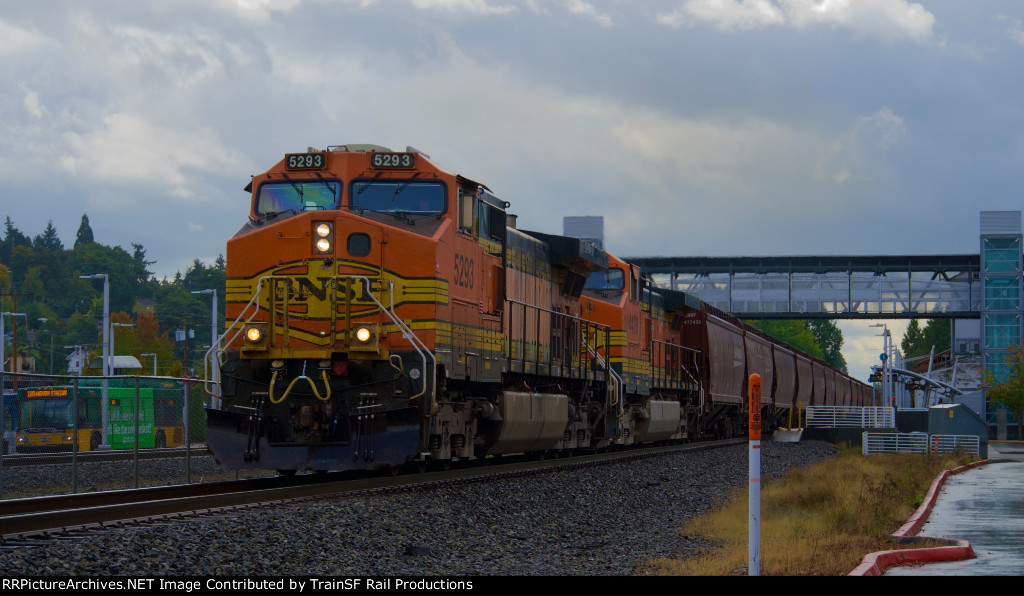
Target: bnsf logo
{"points": [[305, 288]]}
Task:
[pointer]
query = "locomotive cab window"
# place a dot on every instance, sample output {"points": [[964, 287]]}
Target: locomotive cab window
{"points": [[612, 280], [409, 197], [296, 196], [467, 207]]}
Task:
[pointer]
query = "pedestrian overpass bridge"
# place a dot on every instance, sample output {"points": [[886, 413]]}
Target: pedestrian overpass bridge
{"points": [[832, 287]]}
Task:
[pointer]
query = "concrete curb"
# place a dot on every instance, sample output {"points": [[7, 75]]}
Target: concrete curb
{"points": [[875, 564]]}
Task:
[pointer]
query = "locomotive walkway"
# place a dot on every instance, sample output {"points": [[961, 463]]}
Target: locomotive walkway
{"points": [[985, 507]]}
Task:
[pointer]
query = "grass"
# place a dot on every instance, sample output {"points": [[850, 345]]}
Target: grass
{"points": [[818, 520]]}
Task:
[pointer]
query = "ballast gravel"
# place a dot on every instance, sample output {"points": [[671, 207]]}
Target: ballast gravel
{"points": [[597, 520]]}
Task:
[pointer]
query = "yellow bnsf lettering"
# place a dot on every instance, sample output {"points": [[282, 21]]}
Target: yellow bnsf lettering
{"points": [[306, 288]]}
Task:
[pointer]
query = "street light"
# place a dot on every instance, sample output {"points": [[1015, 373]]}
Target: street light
{"points": [[215, 373], [154, 362], [106, 353], [886, 363], [112, 325]]}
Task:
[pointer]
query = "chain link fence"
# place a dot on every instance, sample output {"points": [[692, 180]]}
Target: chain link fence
{"points": [[64, 434]]}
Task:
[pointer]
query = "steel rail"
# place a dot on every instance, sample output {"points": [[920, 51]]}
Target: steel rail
{"points": [[43, 517]]}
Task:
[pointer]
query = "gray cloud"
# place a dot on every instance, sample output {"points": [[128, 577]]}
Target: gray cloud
{"points": [[718, 128]]}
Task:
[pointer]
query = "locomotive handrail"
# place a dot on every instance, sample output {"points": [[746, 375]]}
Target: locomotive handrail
{"points": [[616, 384], [217, 352], [584, 322], [420, 347], [682, 349], [616, 378]]}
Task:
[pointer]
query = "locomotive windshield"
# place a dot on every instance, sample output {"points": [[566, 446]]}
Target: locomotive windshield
{"points": [[399, 196], [297, 196], [612, 279]]}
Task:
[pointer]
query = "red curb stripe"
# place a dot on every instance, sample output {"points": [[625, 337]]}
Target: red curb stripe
{"points": [[875, 564]]}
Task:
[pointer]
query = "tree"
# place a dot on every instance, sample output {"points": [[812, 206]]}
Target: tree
{"points": [[84, 235], [141, 276], [93, 258], [1008, 390], [830, 338], [48, 240], [12, 237], [919, 341], [792, 332], [911, 338]]}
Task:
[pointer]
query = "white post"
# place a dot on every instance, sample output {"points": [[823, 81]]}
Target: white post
{"points": [[215, 372], [107, 370], [754, 495]]}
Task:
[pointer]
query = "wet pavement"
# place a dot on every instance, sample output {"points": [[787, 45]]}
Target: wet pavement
{"points": [[985, 506]]}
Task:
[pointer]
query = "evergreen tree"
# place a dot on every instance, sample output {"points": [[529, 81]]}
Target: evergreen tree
{"points": [[830, 338], [12, 237], [84, 235], [48, 240], [141, 275], [911, 339], [919, 341]]}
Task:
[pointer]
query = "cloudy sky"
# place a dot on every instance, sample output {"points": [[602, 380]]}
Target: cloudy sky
{"points": [[695, 127]]}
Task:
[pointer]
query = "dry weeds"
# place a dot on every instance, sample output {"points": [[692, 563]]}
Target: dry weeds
{"points": [[818, 520]]}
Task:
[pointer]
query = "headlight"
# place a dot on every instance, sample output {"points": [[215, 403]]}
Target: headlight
{"points": [[323, 235], [254, 334], [364, 337]]}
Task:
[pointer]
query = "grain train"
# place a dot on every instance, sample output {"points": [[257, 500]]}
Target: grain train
{"points": [[384, 312]]}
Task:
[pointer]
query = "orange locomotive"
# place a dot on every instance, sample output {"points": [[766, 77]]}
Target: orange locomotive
{"points": [[386, 312]]}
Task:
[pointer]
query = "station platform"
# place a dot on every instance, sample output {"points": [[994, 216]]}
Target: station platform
{"points": [[983, 506]]}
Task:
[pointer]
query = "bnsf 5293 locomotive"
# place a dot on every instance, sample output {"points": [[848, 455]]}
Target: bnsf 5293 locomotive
{"points": [[384, 311]]}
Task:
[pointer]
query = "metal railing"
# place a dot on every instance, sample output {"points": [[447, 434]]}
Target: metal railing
{"points": [[550, 339], [850, 417], [921, 443], [894, 443], [847, 293], [64, 437], [969, 444]]}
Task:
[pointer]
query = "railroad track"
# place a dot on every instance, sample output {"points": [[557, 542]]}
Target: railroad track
{"points": [[65, 457], [45, 518]]}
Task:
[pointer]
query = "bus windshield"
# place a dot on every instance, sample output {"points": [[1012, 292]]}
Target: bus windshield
{"points": [[46, 413]]}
